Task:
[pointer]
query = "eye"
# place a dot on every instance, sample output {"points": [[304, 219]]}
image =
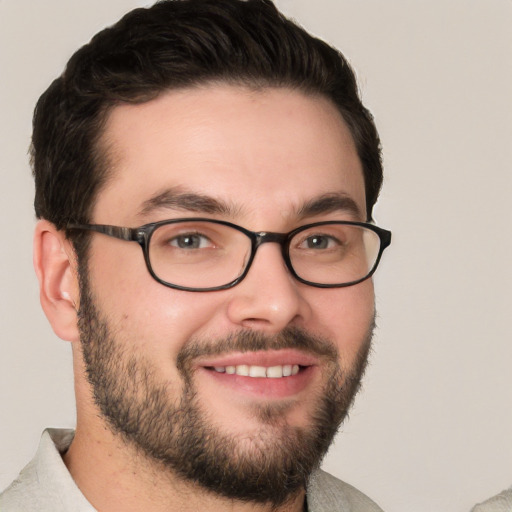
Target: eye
{"points": [[319, 242], [190, 241]]}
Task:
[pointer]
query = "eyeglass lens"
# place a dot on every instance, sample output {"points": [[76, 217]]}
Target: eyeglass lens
{"points": [[207, 255]]}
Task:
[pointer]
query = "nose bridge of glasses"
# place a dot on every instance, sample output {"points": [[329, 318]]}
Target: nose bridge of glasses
{"points": [[264, 237]]}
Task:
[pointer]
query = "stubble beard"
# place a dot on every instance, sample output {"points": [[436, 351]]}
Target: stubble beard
{"points": [[178, 435]]}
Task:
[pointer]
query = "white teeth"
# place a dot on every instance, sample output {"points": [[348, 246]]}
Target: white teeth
{"points": [[275, 372], [272, 372], [242, 369], [257, 371]]}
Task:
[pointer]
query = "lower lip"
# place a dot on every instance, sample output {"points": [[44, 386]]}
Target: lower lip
{"points": [[284, 387]]}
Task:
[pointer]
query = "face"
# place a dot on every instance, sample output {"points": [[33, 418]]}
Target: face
{"points": [[157, 358]]}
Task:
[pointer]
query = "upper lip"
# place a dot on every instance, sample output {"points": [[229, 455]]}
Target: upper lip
{"points": [[265, 358]]}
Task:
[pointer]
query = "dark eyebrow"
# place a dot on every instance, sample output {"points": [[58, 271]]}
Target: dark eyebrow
{"points": [[179, 199], [329, 203]]}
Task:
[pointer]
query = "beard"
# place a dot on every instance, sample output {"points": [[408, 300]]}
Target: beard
{"points": [[173, 430]]}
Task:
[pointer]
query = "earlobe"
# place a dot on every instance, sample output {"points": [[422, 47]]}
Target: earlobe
{"points": [[56, 269]]}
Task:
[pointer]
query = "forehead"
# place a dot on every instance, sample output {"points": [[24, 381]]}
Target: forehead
{"points": [[261, 152]]}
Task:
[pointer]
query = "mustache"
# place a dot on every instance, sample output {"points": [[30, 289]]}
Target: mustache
{"points": [[253, 341]]}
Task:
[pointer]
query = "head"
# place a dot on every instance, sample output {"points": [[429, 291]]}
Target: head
{"points": [[221, 109]]}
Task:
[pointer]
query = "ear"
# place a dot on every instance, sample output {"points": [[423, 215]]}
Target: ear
{"points": [[56, 268]]}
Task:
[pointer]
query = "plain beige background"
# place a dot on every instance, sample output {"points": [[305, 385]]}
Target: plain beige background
{"points": [[432, 429]]}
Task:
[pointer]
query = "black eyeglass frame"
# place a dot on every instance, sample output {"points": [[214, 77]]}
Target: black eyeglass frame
{"points": [[142, 235]]}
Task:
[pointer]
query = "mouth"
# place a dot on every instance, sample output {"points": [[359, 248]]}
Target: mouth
{"points": [[266, 375]]}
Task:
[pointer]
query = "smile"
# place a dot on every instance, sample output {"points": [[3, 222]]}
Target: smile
{"points": [[266, 374], [270, 372]]}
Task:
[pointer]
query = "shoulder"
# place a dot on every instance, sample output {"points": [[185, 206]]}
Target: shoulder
{"points": [[499, 503], [23, 494], [45, 483], [328, 494]]}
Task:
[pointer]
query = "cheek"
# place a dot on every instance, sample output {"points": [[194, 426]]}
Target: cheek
{"points": [[141, 312], [345, 315]]}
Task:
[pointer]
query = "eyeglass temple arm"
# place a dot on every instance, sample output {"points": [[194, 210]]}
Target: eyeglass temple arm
{"points": [[385, 238], [128, 234]]}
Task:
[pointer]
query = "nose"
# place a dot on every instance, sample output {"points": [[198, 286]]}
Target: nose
{"points": [[269, 298]]}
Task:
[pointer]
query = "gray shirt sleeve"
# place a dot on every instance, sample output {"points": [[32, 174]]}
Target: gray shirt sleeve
{"points": [[500, 503]]}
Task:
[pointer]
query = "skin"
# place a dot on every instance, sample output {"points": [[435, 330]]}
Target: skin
{"points": [[264, 153]]}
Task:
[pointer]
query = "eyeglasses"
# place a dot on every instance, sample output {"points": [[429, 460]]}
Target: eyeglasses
{"points": [[197, 254]]}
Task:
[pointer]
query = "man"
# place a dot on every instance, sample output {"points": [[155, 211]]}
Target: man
{"points": [[205, 177]]}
